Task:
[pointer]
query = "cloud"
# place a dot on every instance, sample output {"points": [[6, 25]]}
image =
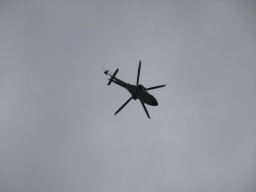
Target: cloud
{"points": [[58, 131]]}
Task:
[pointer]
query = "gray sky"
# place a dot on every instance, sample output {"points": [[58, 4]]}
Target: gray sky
{"points": [[58, 131]]}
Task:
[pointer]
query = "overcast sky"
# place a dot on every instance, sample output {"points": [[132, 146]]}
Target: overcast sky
{"points": [[58, 131]]}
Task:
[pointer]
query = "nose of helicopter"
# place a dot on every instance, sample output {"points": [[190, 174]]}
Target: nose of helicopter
{"points": [[154, 103]]}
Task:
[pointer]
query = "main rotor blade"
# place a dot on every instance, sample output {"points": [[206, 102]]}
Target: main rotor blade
{"points": [[123, 105], [138, 75], [145, 109], [159, 86]]}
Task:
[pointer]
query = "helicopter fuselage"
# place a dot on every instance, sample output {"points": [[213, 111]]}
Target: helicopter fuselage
{"points": [[137, 92]]}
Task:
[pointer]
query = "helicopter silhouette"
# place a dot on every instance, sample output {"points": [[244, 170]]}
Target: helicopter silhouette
{"points": [[137, 91]]}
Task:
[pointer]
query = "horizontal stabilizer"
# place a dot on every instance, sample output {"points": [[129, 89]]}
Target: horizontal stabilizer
{"points": [[113, 76]]}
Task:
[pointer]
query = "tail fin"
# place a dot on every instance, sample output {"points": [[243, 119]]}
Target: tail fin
{"points": [[113, 76], [106, 71]]}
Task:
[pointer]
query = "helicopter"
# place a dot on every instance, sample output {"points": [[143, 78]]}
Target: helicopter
{"points": [[137, 91]]}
